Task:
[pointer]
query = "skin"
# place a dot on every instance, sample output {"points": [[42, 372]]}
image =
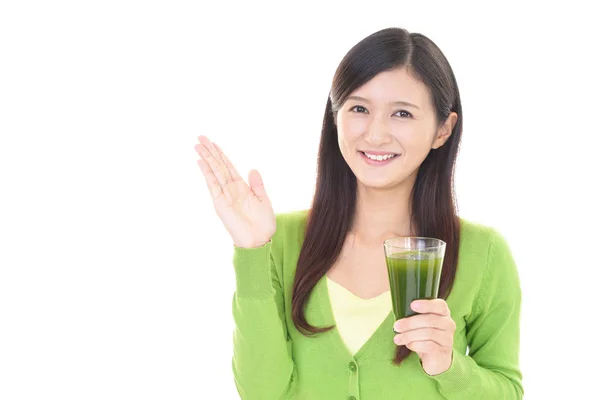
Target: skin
{"points": [[370, 120]]}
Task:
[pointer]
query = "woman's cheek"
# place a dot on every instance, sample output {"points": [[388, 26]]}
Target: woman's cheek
{"points": [[353, 129]]}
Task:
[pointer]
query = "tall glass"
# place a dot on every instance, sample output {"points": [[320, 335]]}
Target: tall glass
{"points": [[414, 267]]}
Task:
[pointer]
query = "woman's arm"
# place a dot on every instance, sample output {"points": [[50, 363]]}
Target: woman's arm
{"points": [[262, 364], [491, 370]]}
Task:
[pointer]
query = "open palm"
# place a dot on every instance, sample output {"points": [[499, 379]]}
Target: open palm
{"points": [[244, 209]]}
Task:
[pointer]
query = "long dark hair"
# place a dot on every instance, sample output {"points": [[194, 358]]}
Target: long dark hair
{"points": [[433, 207]]}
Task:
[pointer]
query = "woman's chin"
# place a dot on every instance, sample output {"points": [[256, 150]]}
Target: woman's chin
{"points": [[377, 183]]}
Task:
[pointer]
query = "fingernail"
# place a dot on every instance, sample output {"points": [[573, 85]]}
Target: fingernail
{"points": [[415, 305]]}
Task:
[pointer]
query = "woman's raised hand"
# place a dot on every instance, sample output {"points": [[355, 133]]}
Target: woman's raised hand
{"points": [[245, 210]]}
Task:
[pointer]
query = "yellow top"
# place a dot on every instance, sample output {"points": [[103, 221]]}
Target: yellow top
{"points": [[356, 318]]}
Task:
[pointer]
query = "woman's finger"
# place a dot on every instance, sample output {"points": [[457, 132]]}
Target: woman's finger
{"points": [[217, 161], [424, 321], [232, 171], [431, 306], [211, 180], [213, 165], [442, 338], [423, 347]]}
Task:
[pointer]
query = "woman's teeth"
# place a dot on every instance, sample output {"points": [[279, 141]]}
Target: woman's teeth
{"points": [[380, 157]]}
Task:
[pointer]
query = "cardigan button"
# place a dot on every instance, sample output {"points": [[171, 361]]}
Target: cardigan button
{"points": [[352, 367]]}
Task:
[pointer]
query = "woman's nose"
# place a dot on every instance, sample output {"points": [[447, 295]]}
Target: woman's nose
{"points": [[377, 133]]}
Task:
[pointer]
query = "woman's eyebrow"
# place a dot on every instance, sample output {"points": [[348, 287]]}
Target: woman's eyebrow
{"points": [[400, 102]]}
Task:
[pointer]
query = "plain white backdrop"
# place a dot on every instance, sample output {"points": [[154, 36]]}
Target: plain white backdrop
{"points": [[115, 273]]}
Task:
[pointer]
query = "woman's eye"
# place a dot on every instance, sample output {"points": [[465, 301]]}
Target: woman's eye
{"points": [[357, 108], [400, 113], [403, 114]]}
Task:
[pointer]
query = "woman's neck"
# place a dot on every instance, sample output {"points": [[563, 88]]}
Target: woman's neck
{"points": [[381, 214]]}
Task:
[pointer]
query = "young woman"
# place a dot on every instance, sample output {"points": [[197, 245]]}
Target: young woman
{"points": [[312, 309]]}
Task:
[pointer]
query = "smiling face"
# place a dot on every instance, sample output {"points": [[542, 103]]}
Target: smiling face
{"points": [[387, 127]]}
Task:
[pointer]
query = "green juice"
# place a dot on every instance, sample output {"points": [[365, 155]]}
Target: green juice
{"points": [[413, 275]]}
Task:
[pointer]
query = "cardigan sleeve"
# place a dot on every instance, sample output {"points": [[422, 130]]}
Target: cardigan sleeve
{"points": [[491, 370], [262, 363]]}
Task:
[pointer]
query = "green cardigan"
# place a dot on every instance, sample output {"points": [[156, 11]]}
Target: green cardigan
{"points": [[273, 360]]}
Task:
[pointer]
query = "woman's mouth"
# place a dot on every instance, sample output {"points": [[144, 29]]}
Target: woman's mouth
{"points": [[378, 159]]}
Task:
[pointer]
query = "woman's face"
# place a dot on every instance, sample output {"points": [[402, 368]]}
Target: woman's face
{"points": [[390, 114]]}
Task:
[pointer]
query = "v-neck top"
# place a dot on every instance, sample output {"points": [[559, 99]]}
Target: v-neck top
{"points": [[273, 359], [356, 318]]}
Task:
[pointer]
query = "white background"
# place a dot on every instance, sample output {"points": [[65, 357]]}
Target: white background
{"points": [[115, 272]]}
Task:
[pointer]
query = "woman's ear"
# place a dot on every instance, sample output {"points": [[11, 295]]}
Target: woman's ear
{"points": [[445, 131]]}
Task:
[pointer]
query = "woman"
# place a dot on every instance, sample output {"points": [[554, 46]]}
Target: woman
{"points": [[311, 307]]}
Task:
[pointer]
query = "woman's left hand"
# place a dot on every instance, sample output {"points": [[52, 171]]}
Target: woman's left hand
{"points": [[430, 334]]}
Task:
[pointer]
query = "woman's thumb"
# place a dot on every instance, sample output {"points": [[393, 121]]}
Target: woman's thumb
{"points": [[256, 184]]}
